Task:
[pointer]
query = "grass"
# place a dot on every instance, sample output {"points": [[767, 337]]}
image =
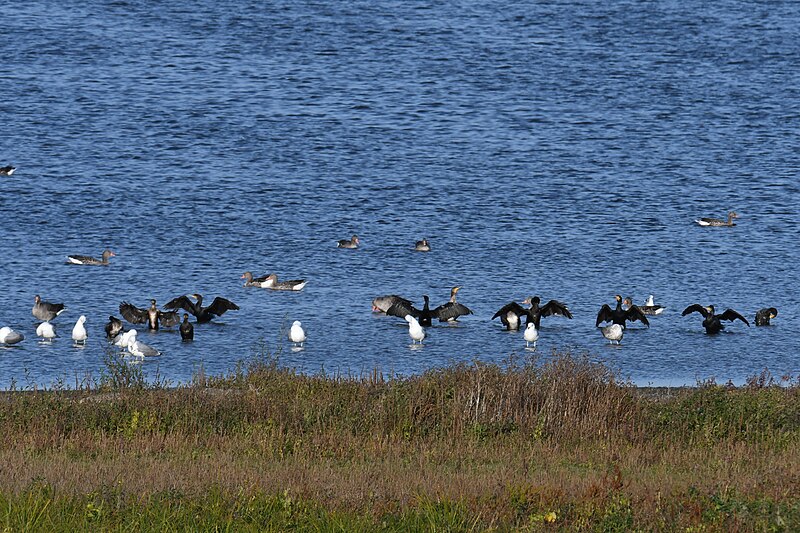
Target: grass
{"points": [[552, 443]]}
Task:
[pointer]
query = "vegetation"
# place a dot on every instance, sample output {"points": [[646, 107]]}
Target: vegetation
{"points": [[548, 443]]}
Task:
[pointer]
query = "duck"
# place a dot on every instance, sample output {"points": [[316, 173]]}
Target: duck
{"points": [[415, 331], [614, 332], [152, 315], [203, 314], [512, 313], [717, 222], [88, 260], [763, 316], [113, 327], [139, 348], [711, 321], [7, 170], [250, 281], [8, 336], [46, 331], [79, 334], [627, 304], [46, 311], [450, 311], [351, 243], [619, 315], [531, 334], [650, 307], [381, 304], [272, 282], [402, 308], [422, 246], [296, 333], [186, 329]]}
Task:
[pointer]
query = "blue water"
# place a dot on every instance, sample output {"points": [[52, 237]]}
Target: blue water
{"points": [[553, 148]]}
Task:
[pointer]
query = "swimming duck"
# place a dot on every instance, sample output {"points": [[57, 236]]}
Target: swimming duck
{"points": [[383, 303], [186, 328], [87, 260], [348, 243], [423, 246], [7, 170], [450, 311], [531, 334], [289, 285], [711, 321], [113, 327], [250, 281], [79, 334], [203, 314], [296, 334], [619, 315], [718, 222], [46, 311], [403, 307], [511, 313], [650, 308], [139, 348], [152, 315], [415, 331], [763, 316], [614, 332], [46, 331], [8, 336]]}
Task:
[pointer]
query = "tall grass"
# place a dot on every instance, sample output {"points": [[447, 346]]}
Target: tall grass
{"points": [[547, 442]]}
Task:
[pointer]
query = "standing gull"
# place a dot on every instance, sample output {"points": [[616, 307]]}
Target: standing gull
{"points": [[531, 335], [79, 334], [296, 333], [46, 331], [415, 331]]}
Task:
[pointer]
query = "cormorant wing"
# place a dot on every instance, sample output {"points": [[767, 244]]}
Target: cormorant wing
{"points": [[732, 315], [451, 311], [181, 302], [132, 314], [634, 313], [695, 308], [511, 306], [220, 305], [168, 318], [402, 307], [604, 315], [554, 307]]}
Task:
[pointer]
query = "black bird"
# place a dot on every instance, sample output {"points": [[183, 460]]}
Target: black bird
{"points": [[187, 329], [45, 310], [114, 327], [402, 307], [511, 313], [619, 315], [152, 315], [763, 316], [450, 311], [711, 321], [7, 170], [202, 314]]}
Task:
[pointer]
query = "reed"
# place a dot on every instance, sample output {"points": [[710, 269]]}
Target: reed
{"points": [[553, 441]]}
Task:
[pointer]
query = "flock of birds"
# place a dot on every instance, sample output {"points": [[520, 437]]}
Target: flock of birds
{"points": [[610, 320]]}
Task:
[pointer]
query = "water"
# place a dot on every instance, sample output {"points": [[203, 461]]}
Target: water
{"points": [[553, 148]]}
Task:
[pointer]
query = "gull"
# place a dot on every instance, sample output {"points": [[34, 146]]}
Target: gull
{"points": [[79, 334], [9, 336], [296, 333], [531, 335], [46, 331], [416, 331]]}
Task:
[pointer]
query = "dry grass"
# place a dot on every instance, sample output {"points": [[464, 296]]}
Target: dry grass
{"points": [[554, 442]]}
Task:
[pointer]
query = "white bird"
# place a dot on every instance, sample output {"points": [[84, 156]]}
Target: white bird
{"points": [[9, 336], [614, 332], [416, 331], [140, 349], [296, 333], [531, 334], [46, 330], [122, 339], [79, 334]]}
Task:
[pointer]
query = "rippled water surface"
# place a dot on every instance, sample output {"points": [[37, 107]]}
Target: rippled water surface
{"points": [[553, 148]]}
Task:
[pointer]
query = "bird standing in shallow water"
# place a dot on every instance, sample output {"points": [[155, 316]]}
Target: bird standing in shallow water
{"points": [[415, 331], [152, 315], [46, 311], [296, 333], [763, 316], [113, 327], [450, 311], [79, 334], [614, 332], [186, 328], [8, 336], [140, 349], [511, 313], [202, 314], [46, 331], [619, 315], [711, 321], [531, 334]]}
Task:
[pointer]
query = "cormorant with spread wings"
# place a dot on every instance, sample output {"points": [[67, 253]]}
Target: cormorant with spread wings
{"points": [[512, 313], [618, 315], [202, 314], [711, 321], [152, 315]]}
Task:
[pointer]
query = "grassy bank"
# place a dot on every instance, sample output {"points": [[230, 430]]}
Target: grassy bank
{"points": [[555, 443]]}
